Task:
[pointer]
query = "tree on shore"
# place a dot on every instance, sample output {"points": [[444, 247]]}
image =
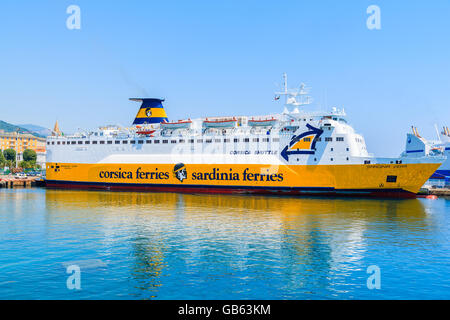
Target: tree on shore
{"points": [[10, 154], [29, 159], [29, 155], [10, 164], [2, 160], [10, 157], [25, 164]]}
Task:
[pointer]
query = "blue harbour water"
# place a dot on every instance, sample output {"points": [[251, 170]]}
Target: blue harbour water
{"points": [[185, 246]]}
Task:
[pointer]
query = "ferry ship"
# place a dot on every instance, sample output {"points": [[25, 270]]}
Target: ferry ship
{"points": [[295, 152], [417, 146]]}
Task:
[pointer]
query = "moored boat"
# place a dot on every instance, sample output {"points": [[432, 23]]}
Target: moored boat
{"points": [[418, 146], [302, 153]]}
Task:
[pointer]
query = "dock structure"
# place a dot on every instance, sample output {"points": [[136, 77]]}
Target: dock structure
{"points": [[440, 192], [12, 182]]}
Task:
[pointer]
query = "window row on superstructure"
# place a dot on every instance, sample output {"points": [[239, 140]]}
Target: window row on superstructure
{"points": [[166, 141], [157, 141]]}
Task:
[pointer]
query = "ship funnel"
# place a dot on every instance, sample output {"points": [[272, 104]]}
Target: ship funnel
{"points": [[151, 111], [415, 146]]}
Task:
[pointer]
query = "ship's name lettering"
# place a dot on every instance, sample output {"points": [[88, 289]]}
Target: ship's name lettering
{"points": [[240, 152], [216, 174], [149, 175], [378, 166]]}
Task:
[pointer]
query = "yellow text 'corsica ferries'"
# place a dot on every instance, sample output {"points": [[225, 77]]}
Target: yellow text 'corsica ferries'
{"points": [[295, 152]]}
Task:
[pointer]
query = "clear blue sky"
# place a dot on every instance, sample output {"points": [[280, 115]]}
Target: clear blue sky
{"points": [[223, 58]]}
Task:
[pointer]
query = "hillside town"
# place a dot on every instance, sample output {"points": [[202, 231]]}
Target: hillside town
{"points": [[22, 151]]}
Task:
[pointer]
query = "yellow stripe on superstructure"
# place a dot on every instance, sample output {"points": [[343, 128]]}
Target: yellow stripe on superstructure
{"points": [[302, 144], [156, 113]]}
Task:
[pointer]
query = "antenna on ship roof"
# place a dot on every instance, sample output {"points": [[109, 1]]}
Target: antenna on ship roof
{"points": [[294, 97], [437, 132], [446, 132], [415, 132]]}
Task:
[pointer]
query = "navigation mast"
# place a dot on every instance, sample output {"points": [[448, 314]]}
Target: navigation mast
{"points": [[294, 97]]}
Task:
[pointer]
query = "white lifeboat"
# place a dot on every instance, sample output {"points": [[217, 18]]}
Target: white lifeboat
{"points": [[220, 123], [180, 124], [262, 122]]}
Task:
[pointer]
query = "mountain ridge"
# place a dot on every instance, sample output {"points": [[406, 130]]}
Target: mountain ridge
{"points": [[36, 129], [32, 129]]}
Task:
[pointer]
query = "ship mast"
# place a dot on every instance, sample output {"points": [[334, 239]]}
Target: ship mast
{"points": [[294, 97]]}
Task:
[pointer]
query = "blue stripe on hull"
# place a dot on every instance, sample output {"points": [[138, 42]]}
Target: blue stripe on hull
{"points": [[149, 120], [441, 174]]}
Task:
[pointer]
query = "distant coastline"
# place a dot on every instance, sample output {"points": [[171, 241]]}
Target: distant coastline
{"points": [[33, 129]]}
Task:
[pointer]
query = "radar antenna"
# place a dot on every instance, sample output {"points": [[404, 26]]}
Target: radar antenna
{"points": [[294, 97]]}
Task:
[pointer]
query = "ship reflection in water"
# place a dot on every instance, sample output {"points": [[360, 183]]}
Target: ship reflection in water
{"points": [[183, 246]]}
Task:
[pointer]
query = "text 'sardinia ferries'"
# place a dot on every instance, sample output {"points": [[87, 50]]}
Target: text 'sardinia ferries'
{"points": [[293, 152]]}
